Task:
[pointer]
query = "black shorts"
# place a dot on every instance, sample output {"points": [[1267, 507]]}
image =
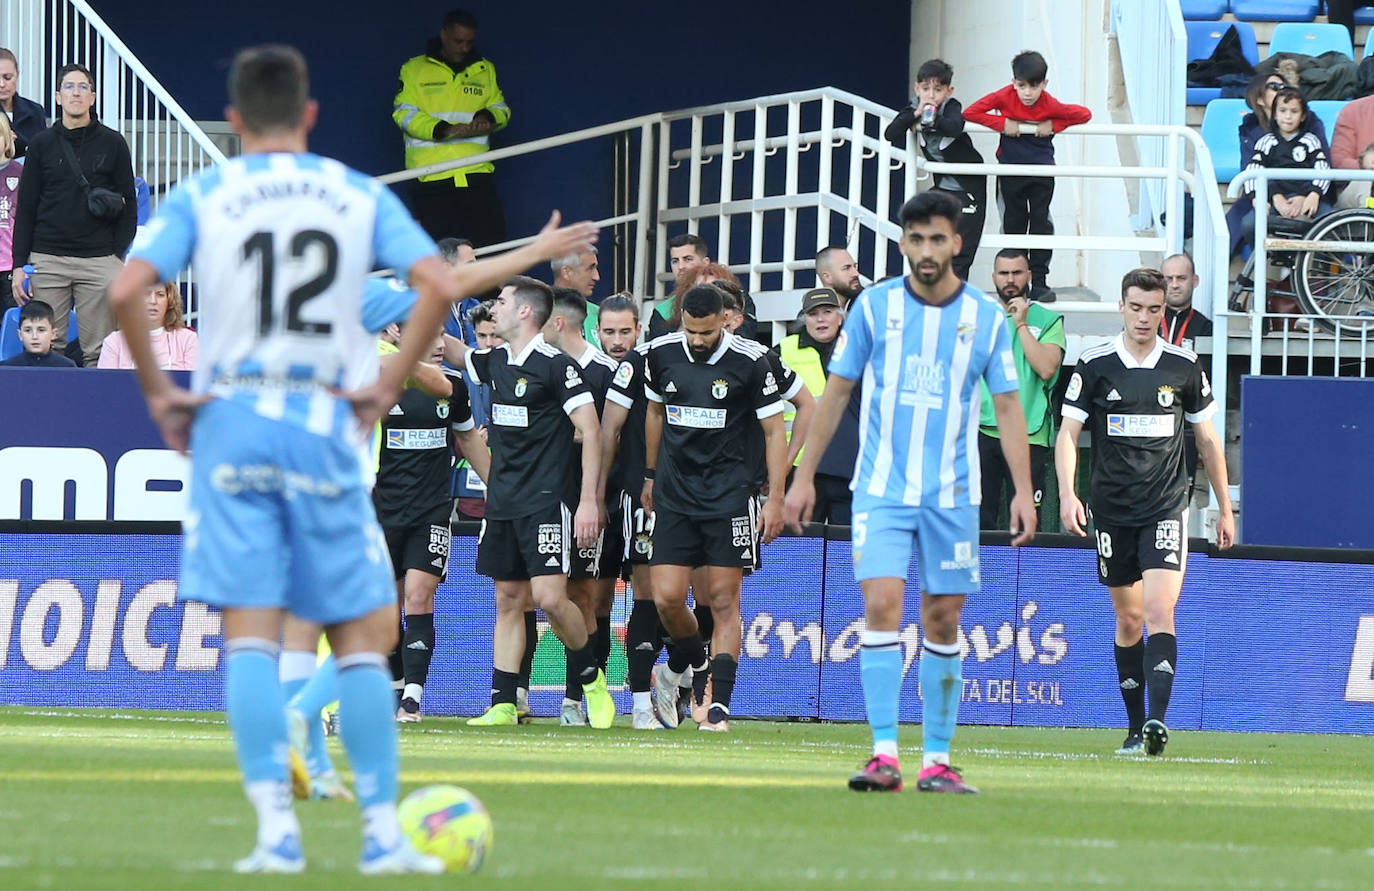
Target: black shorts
{"points": [[636, 531], [681, 540], [1125, 552], [517, 550], [423, 546], [602, 560]]}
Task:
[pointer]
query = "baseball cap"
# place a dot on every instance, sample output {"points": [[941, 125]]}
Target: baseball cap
{"points": [[820, 297]]}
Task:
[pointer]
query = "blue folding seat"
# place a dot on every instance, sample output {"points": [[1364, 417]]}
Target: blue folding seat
{"points": [[1203, 10], [1220, 125], [1310, 38], [1275, 10], [1203, 38]]}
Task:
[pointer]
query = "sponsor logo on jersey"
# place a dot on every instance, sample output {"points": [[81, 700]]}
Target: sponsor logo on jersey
{"points": [[623, 374], [1166, 396], [1168, 535], [550, 539], [416, 440], [510, 415], [1075, 387], [1140, 426], [695, 416], [741, 533], [521, 385], [923, 382], [1113, 396], [720, 388], [770, 385], [965, 557]]}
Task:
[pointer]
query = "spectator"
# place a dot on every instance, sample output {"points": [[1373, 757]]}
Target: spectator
{"points": [[1259, 95], [685, 252], [1181, 325], [36, 334], [1026, 199], [808, 353], [448, 106], [175, 346], [10, 170], [1290, 144], [25, 116], [1354, 131], [74, 251], [711, 273], [1037, 345], [1357, 194], [837, 270], [459, 252], [468, 491], [937, 119], [580, 273]]}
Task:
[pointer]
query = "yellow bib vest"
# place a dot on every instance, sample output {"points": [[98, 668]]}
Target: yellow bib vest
{"points": [[806, 362], [432, 93]]}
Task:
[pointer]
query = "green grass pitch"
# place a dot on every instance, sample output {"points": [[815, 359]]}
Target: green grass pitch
{"points": [[151, 800]]}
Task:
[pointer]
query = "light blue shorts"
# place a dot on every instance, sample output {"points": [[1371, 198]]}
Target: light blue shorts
{"points": [[280, 517], [946, 539]]}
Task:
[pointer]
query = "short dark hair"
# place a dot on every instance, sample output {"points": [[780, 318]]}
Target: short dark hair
{"points": [[1012, 254], [728, 300], [1144, 278], [619, 303], [448, 247], [460, 17], [269, 86], [569, 302], [68, 69], [703, 301], [36, 311], [533, 293], [687, 238], [1029, 66], [937, 70], [480, 313], [823, 255], [934, 203]]}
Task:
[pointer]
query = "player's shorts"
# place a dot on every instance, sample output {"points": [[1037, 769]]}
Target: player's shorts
{"points": [[517, 550], [423, 545], [883, 534], [636, 531], [281, 518], [681, 540], [1125, 552]]}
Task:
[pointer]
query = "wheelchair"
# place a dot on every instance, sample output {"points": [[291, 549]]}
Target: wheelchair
{"points": [[1334, 286]]}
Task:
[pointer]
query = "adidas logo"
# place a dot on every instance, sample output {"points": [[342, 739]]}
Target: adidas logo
{"points": [[1130, 684], [553, 561], [1171, 558], [746, 555], [1113, 396], [395, 410], [671, 388], [437, 561], [1164, 666], [494, 691], [416, 645]]}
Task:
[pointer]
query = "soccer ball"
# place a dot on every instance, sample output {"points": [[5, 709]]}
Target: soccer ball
{"points": [[449, 823]]}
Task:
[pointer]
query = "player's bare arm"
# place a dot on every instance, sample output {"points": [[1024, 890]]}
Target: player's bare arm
{"points": [[801, 498], [552, 241], [612, 422], [428, 379], [1011, 424], [587, 520], [775, 437], [1071, 511], [1213, 455], [653, 435], [474, 447], [805, 404]]}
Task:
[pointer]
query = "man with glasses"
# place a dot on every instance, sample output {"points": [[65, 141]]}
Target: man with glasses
{"points": [[75, 242]]}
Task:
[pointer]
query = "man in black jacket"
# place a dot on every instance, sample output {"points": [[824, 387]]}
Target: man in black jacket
{"points": [[27, 119], [75, 253]]}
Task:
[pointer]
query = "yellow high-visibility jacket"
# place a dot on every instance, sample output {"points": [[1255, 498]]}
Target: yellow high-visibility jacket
{"points": [[430, 93]]}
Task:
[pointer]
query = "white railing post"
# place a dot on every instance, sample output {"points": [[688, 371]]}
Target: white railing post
{"points": [[694, 168], [665, 149], [789, 224], [640, 283], [727, 186], [826, 172], [755, 193]]}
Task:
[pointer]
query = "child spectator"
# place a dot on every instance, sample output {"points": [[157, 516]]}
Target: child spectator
{"points": [[9, 193], [1026, 199], [36, 333], [1290, 144], [1357, 194], [937, 119], [174, 345]]}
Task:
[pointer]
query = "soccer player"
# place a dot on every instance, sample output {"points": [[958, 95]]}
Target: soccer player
{"points": [[921, 343], [1135, 393], [706, 389], [280, 517], [591, 567], [539, 402]]}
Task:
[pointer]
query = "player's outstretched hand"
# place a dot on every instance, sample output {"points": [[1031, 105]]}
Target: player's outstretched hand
{"points": [[799, 505], [1072, 515], [586, 524], [772, 520], [556, 240], [370, 403], [173, 410], [1226, 529], [1022, 519]]}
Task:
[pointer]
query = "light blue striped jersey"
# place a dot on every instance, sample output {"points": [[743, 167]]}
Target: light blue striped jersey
{"points": [[920, 366], [282, 245]]}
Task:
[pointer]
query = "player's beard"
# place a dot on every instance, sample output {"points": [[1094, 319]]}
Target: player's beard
{"points": [[928, 278], [699, 353], [1009, 297]]}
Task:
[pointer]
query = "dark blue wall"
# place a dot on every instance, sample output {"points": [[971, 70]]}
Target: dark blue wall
{"points": [[562, 65]]}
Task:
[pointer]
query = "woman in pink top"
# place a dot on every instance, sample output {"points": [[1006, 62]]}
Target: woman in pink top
{"points": [[9, 197], [174, 345]]}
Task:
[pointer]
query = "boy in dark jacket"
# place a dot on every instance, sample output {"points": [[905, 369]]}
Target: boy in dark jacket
{"points": [[36, 334]]}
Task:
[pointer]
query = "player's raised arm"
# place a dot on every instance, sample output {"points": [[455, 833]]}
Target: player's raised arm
{"points": [[553, 241]]}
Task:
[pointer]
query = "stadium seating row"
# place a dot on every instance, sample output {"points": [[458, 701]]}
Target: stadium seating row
{"points": [[1222, 118], [1311, 39], [1264, 10]]}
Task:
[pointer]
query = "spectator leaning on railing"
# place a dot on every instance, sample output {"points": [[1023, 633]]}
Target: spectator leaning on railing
{"points": [[175, 346], [26, 117]]}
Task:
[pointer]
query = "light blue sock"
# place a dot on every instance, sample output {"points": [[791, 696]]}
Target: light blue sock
{"points": [[880, 669], [319, 691], [255, 708], [368, 726], [942, 683]]}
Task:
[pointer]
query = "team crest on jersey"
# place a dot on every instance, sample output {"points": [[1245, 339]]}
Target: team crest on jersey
{"points": [[572, 378], [11, 182], [1166, 396], [1299, 154], [720, 388], [441, 408], [1075, 387], [770, 385], [965, 331], [521, 385]]}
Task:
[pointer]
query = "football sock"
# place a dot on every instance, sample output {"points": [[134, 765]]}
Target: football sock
{"points": [[699, 679], [641, 635], [603, 641], [257, 719], [585, 661], [1130, 672], [706, 623], [381, 825], [310, 700], [1161, 658], [643, 700], [880, 670], [395, 658], [572, 683], [503, 684], [686, 652], [723, 667], [297, 668], [294, 669], [531, 642], [368, 727], [942, 683], [417, 648]]}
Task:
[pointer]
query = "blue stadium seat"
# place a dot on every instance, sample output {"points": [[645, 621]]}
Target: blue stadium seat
{"points": [[1327, 110], [1203, 10], [1274, 10], [1310, 38], [1203, 38], [9, 333], [1220, 123]]}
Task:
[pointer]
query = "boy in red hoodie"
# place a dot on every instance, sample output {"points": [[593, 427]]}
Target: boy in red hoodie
{"points": [[1026, 199]]}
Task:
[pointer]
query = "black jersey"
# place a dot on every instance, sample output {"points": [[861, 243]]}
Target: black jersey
{"points": [[789, 382], [597, 371], [534, 461], [709, 408], [416, 456], [627, 391], [1136, 411]]}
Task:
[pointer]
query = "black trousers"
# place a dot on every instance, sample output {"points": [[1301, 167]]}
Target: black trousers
{"points": [[832, 500], [975, 202], [1026, 211], [997, 477], [474, 212]]}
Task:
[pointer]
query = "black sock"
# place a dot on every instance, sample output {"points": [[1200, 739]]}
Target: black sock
{"points": [[706, 623], [584, 660], [1161, 658], [642, 644], [723, 667], [685, 652], [572, 683], [603, 641], [531, 641], [417, 647], [503, 684], [1130, 672]]}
